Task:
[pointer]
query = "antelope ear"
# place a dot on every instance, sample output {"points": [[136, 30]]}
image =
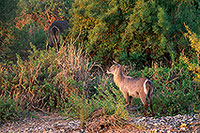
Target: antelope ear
{"points": [[115, 62]]}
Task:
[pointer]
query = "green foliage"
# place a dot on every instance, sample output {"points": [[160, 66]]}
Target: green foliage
{"points": [[16, 40], [32, 20], [9, 110], [99, 21], [46, 78], [177, 102], [47, 10], [109, 99], [7, 10], [139, 31], [26, 80], [193, 65], [146, 33], [174, 91]]}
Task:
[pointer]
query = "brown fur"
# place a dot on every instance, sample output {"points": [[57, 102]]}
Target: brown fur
{"points": [[55, 30], [132, 87]]}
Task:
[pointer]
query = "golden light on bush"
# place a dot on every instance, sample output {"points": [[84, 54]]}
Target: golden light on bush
{"points": [[195, 44]]}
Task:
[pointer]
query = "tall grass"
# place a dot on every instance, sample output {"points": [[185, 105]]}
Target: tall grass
{"points": [[46, 78]]}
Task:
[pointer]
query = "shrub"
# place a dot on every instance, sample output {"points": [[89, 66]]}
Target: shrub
{"points": [[174, 92], [109, 99], [9, 109], [46, 78], [141, 31], [193, 65]]}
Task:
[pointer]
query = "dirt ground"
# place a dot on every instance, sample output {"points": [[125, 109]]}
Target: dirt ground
{"points": [[57, 123]]}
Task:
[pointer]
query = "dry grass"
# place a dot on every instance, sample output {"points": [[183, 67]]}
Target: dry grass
{"points": [[73, 65], [100, 122], [47, 78]]}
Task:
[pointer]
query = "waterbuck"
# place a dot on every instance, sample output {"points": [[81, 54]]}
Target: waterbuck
{"points": [[132, 87], [55, 31]]}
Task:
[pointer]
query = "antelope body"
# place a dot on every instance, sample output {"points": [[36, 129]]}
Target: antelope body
{"points": [[55, 30], [132, 87]]}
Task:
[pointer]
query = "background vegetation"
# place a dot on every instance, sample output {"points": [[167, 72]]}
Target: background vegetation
{"points": [[157, 39]]}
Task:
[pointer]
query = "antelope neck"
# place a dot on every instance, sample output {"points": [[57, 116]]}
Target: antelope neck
{"points": [[118, 77]]}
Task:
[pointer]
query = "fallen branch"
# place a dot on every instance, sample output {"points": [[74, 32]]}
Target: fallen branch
{"points": [[39, 109]]}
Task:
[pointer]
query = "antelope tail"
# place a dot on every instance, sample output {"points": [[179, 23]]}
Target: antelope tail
{"points": [[148, 87]]}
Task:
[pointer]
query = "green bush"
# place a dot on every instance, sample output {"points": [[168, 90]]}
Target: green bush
{"points": [[174, 91], [9, 110], [109, 99], [18, 41], [140, 31], [46, 78]]}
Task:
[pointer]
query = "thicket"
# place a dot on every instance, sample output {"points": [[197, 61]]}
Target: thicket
{"points": [[153, 38], [140, 31]]}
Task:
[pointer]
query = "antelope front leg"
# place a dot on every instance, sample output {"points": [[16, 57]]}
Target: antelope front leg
{"points": [[126, 99]]}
